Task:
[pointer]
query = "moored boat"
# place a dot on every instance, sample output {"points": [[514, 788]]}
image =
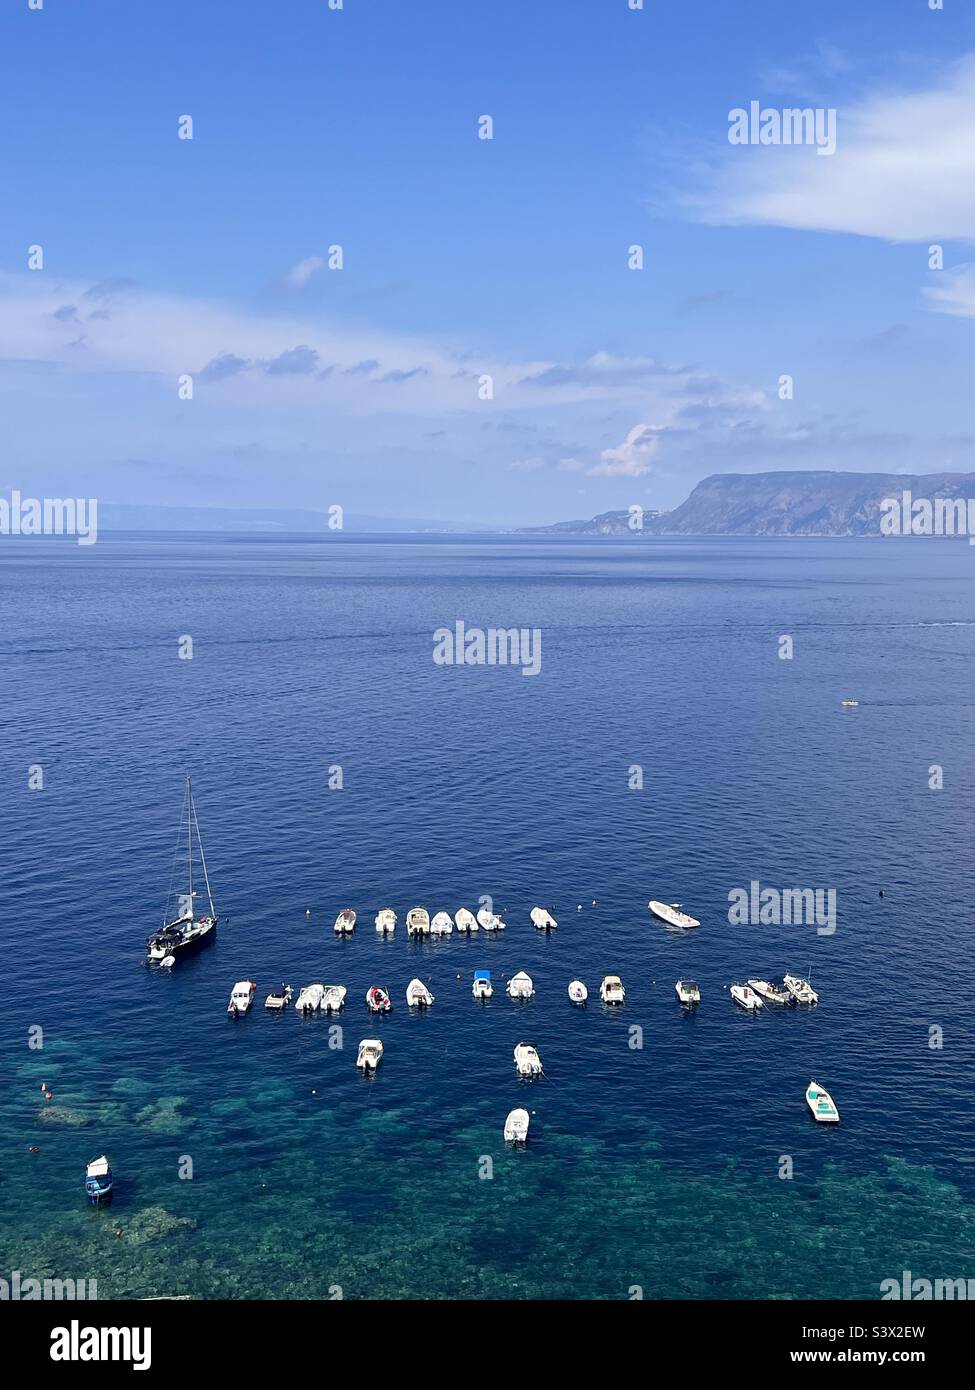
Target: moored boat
{"points": [[770, 993], [385, 921], [241, 997], [333, 998], [527, 1060], [417, 995], [611, 990], [345, 922], [520, 986], [543, 919], [184, 933], [370, 1054], [671, 914], [850, 704], [309, 999], [578, 992], [482, 987], [800, 989], [98, 1181], [745, 997], [417, 922], [516, 1127], [688, 992], [442, 924], [279, 997], [489, 921], [378, 1000], [465, 920], [820, 1102]]}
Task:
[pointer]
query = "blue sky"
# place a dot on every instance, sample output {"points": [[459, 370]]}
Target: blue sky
{"points": [[464, 257]]}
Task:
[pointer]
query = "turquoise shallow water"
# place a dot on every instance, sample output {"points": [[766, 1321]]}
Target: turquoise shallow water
{"points": [[654, 1167]]}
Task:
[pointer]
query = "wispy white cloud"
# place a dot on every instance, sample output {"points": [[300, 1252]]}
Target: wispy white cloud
{"points": [[953, 291], [903, 171], [302, 271]]}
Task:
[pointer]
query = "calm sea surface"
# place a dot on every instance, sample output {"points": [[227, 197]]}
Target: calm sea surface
{"points": [[655, 1166]]}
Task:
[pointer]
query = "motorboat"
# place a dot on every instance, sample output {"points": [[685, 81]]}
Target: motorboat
{"points": [[370, 1054], [800, 989], [578, 992], [770, 993], [527, 1060], [417, 922], [745, 997], [333, 998], [489, 921], [309, 999], [516, 1127], [688, 992], [345, 922], [543, 919], [279, 998], [820, 1102], [464, 920], [241, 997], [378, 1000], [671, 914], [611, 990], [183, 931], [442, 924], [850, 704], [417, 995], [99, 1181], [385, 921], [482, 988], [520, 986]]}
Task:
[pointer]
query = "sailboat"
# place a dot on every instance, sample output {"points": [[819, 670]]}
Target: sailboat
{"points": [[186, 932]]}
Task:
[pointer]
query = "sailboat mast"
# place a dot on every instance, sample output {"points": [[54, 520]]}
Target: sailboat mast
{"points": [[189, 837], [206, 876]]}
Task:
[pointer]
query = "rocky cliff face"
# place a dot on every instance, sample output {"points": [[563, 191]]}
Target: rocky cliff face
{"points": [[781, 504]]}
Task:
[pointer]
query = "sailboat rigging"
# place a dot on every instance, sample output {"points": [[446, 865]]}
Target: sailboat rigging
{"points": [[185, 932]]}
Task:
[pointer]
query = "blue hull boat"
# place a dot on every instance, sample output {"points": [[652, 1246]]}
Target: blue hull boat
{"points": [[98, 1181]]}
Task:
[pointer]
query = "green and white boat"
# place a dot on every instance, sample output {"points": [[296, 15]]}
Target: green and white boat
{"points": [[820, 1102]]}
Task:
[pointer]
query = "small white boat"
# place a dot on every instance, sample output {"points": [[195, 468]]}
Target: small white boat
{"points": [[820, 1102], [671, 913], [309, 999], [770, 993], [850, 704], [417, 922], [688, 992], [417, 995], [543, 919], [527, 1060], [800, 989], [378, 1000], [345, 922], [464, 920], [611, 990], [578, 992], [370, 1054], [442, 924], [745, 997], [385, 921], [482, 988], [489, 921], [240, 998], [516, 1127], [279, 998], [520, 986], [167, 962], [333, 998]]}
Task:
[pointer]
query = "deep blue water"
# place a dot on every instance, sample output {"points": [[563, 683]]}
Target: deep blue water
{"points": [[655, 1167]]}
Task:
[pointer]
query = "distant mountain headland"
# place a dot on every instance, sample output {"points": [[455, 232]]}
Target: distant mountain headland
{"points": [[776, 504]]}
